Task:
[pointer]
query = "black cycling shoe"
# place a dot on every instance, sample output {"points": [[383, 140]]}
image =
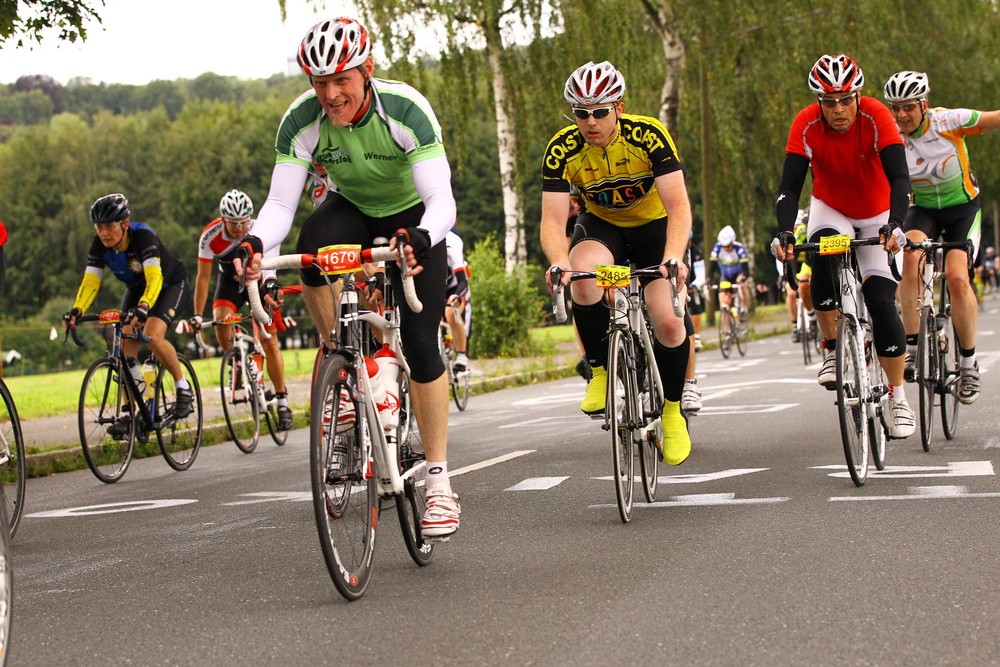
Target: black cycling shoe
{"points": [[284, 418], [120, 429], [185, 403]]}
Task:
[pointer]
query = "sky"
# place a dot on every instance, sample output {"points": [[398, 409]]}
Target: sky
{"points": [[144, 40]]}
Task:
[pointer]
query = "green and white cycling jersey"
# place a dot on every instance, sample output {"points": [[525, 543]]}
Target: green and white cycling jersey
{"points": [[369, 161], [938, 159]]}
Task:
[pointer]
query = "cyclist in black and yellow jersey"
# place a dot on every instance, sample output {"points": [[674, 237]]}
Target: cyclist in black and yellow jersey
{"points": [[156, 282], [628, 171]]}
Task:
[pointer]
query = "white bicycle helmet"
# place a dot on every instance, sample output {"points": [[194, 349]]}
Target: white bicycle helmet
{"points": [[903, 86], [835, 74], [727, 235], [594, 84], [236, 205], [334, 45]]}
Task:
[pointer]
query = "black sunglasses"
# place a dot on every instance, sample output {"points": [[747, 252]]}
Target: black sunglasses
{"points": [[599, 112], [831, 102]]}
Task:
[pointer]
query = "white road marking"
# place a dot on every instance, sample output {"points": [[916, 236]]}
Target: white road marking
{"points": [[273, 496], [541, 420], [697, 478], [537, 484], [953, 469], [703, 500], [491, 462], [111, 508], [744, 409], [926, 493]]}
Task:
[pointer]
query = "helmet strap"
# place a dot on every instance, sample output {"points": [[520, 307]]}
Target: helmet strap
{"points": [[366, 102]]}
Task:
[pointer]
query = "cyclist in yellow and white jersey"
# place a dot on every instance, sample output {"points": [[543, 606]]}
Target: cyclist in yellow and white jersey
{"points": [[945, 204], [629, 173]]}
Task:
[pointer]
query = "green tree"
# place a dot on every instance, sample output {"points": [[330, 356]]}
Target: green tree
{"points": [[31, 19]]}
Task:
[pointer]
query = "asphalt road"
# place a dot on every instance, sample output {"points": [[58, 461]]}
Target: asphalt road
{"points": [[758, 551]]}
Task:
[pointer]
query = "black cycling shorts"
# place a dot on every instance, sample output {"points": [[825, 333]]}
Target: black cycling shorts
{"points": [[642, 245], [955, 223], [167, 305]]}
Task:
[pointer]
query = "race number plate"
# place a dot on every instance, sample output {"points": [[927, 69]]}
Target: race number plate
{"points": [[334, 260], [109, 316], [835, 245], [612, 275]]}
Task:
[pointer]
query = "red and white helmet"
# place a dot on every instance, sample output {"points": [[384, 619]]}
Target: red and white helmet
{"points": [[334, 45], [594, 84], [835, 74]]}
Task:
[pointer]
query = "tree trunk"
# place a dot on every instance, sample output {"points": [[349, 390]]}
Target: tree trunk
{"points": [[662, 15], [515, 250]]}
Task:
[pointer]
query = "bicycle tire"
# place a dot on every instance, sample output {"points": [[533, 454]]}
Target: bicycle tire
{"points": [[180, 439], [851, 406], [927, 375], [651, 404], [619, 415], [410, 504], [725, 332], [271, 418], [345, 502], [404, 425], [103, 399], [877, 422], [741, 332], [6, 582], [805, 334], [13, 473], [239, 401], [949, 362], [460, 388]]}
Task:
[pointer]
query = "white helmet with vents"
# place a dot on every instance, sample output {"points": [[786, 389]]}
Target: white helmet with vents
{"points": [[594, 84]]}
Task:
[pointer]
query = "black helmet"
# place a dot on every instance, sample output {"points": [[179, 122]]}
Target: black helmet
{"points": [[110, 208]]}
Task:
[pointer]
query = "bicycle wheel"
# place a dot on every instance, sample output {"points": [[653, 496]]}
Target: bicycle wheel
{"points": [[107, 430], [927, 375], [179, 438], [460, 388], [725, 332], [805, 335], [949, 360], [621, 390], [851, 400], [650, 402], [239, 401], [345, 499], [12, 460], [410, 505], [6, 581], [878, 419], [404, 426], [271, 418]]}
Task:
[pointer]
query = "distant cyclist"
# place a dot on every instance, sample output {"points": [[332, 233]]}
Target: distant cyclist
{"points": [[219, 243], [155, 281], [457, 289], [946, 204], [852, 147], [629, 173], [730, 261]]}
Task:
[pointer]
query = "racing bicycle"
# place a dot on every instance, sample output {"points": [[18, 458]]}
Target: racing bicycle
{"points": [[458, 380], [734, 329], [862, 388], [361, 454], [635, 389], [115, 412], [13, 473], [938, 356]]}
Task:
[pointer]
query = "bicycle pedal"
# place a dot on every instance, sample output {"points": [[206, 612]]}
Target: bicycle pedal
{"points": [[437, 540]]}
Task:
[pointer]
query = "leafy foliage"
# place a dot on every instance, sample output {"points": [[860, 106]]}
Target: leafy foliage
{"points": [[504, 306]]}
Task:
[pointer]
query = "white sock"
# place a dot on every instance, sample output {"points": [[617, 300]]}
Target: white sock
{"points": [[896, 392], [182, 384], [967, 362], [437, 476]]}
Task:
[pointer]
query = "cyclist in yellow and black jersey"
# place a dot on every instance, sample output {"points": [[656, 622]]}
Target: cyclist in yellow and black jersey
{"points": [[627, 169]]}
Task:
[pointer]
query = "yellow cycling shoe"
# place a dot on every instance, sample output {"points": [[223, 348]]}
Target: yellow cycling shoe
{"points": [[676, 444], [596, 397]]}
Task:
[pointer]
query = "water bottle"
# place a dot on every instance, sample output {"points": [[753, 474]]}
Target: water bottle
{"points": [[136, 372], [149, 376], [388, 365], [378, 389]]}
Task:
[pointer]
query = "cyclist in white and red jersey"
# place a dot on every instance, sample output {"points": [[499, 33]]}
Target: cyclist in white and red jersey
{"points": [[218, 243], [860, 184], [459, 295], [630, 175], [380, 144], [945, 204]]}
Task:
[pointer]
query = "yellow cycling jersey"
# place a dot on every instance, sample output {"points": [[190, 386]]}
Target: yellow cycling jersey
{"points": [[616, 181]]}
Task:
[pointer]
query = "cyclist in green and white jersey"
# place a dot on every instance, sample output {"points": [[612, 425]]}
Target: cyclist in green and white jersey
{"points": [[380, 144], [945, 203]]}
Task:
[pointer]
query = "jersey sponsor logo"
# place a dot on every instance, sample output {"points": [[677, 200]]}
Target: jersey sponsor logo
{"points": [[377, 156], [557, 152], [332, 156], [620, 196], [645, 137], [135, 266]]}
